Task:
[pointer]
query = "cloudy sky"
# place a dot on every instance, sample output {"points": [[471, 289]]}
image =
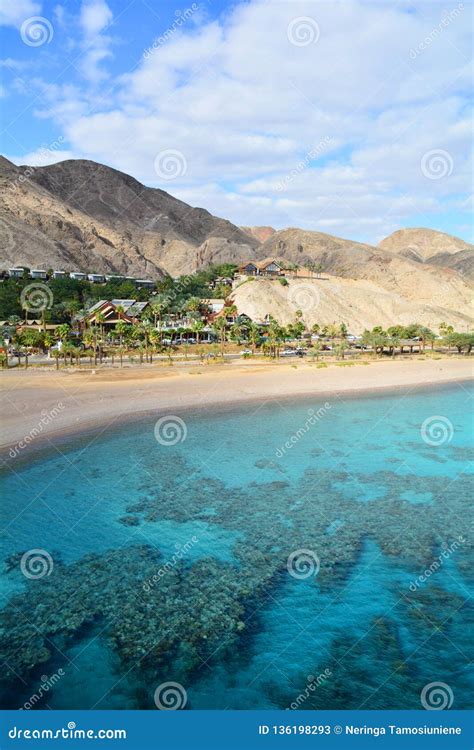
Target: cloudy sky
{"points": [[351, 118]]}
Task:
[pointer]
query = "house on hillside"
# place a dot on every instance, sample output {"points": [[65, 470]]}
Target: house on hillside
{"points": [[38, 274], [78, 276], [266, 267]]}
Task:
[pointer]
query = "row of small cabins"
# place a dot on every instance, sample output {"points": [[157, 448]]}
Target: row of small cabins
{"points": [[95, 278], [267, 267]]}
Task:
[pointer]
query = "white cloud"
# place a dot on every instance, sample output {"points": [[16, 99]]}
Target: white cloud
{"points": [[245, 107], [95, 17], [14, 12]]}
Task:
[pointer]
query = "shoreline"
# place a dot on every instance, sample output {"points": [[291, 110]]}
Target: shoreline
{"points": [[84, 403]]}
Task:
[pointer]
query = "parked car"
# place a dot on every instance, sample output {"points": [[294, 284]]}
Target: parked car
{"points": [[246, 352], [288, 353]]}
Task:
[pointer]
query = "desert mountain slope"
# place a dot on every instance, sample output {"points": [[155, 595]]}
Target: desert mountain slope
{"points": [[411, 280], [79, 215], [359, 303], [423, 244], [260, 233]]}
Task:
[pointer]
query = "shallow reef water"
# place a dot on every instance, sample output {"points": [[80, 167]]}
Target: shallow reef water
{"points": [[311, 554]]}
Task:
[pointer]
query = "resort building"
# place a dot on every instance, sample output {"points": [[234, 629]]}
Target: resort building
{"points": [[96, 278], [266, 267], [38, 274], [78, 276], [16, 273], [147, 283], [60, 274], [128, 310], [214, 305]]}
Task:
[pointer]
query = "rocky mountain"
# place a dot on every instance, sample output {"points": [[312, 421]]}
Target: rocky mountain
{"points": [[80, 215], [423, 244], [260, 233], [435, 248]]}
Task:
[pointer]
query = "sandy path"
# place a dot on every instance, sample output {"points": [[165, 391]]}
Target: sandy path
{"points": [[72, 401]]}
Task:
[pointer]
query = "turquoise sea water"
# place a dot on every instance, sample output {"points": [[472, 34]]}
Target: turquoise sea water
{"points": [[274, 556]]}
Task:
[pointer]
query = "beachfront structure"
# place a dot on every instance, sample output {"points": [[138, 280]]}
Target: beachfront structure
{"points": [[38, 274], [111, 311], [96, 278], [78, 276], [266, 267]]}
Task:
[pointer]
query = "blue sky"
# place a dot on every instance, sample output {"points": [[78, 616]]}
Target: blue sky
{"points": [[351, 118]]}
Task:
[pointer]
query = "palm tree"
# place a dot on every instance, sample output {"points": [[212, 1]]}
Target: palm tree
{"points": [[254, 335], [219, 327], [121, 328], [99, 324], [62, 332], [275, 335], [236, 332], [197, 327]]}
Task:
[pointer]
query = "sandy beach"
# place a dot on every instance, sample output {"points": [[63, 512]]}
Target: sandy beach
{"points": [[48, 404]]}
